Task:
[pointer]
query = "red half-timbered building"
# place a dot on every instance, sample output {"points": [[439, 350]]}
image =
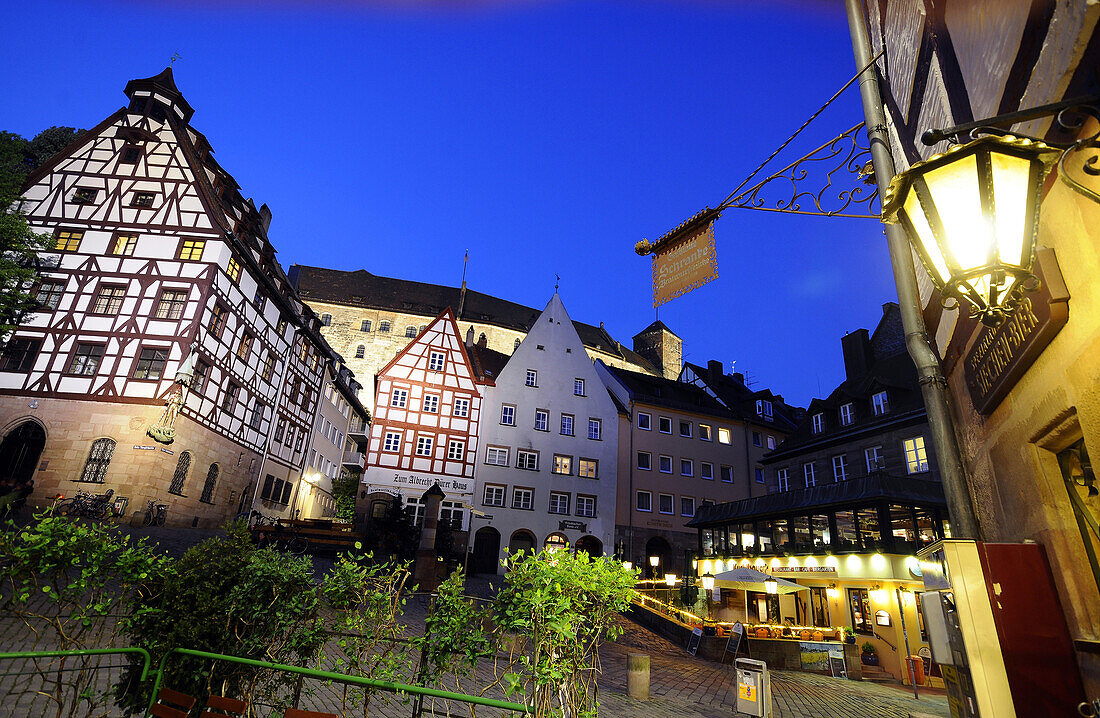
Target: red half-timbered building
{"points": [[425, 427], [161, 287]]}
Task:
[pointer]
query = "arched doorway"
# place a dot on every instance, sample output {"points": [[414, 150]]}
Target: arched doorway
{"points": [[486, 553], [590, 545], [556, 542], [658, 546], [19, 454], [522, 540]]}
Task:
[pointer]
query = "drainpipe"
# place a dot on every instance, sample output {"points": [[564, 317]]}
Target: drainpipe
{"points": [[964, 523], [630, 499]]}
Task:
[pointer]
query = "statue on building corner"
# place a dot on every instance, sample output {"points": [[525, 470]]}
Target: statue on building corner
{"points": [[164, 431]]}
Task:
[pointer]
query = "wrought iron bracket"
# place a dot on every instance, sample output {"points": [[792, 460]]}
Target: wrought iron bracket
{"points": [[1069, 117]]}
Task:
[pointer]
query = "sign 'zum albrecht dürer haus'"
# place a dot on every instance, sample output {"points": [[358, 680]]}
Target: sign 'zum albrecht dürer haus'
{"points": [[684, 259]]}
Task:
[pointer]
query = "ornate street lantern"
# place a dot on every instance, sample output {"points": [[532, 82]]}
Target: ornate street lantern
{"points": [[708, 582], [971, 214], [771, 585]]}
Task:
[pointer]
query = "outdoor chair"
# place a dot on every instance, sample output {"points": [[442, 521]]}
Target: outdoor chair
{"points": [[172, 704], [219, 707], [299, 713]]}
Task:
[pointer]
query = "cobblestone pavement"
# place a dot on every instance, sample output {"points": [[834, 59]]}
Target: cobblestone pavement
{"points": [[681, 685]]}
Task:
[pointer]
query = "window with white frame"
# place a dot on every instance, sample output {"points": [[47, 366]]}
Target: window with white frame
{"points": [[664, 464], [840, 467], [527, 460], [588, 468], [392, 442], [567, 424], [687, 505], [645, 460], [879, 403], [874, 458], [685, 429], [586, 506], [562, 464], [723, 435], [643, 501], [578, 387], [423, 446], [819, 422], [704, 432], [727, 474], [665, 503], [764, 408], [664, 425], [687, 467], [456, 449], [496, 455], [645, 421], [808, 474], [847, 413], [706, 470], [532, 378], [436, 361], [493, 495], [916, 457], [559, 502], [771, 441], [399, 398], [523, 498], [508, 415], [431, 403], [782, 480], [594, 426], [461, 408], [542, 420]]}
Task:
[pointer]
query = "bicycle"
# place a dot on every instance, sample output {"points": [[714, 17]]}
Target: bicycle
{"points": [[155, 514], [85, 505]]}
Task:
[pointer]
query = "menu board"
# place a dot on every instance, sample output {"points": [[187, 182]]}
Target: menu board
{"points": [[737, 634], [693, 642]]}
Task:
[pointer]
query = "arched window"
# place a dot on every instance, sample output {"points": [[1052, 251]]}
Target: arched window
{"points": [[482, 339], [365, 326], [99, 458], [211, 483], [384, 325], [421, 329], [360, 351], [180, 476], [410, 332]]}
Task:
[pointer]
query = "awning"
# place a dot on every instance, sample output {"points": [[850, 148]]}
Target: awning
{"points": [[749, 579]]}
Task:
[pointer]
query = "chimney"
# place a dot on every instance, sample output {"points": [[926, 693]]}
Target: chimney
{"points": [[738, 376], [857, 353], [715, 369], [265, 216]]}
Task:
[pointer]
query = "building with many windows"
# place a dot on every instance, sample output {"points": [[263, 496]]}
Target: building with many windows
{"points": [[169, 344], [546, 471]]}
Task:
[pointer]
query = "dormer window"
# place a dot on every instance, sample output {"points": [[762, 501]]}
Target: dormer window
{"points": [[847, 414], [764, 408], [879, 403], [819, 423]]}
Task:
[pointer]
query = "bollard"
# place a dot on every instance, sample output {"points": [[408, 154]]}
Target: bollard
{"points": [[637, 676]]}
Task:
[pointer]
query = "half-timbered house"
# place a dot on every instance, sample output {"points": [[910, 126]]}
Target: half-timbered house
{"points": [[168, 344]]}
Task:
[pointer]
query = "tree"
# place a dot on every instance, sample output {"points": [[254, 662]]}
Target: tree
{"points": [[344, 489]]}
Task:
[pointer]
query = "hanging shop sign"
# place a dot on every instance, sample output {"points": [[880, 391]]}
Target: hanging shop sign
{"points": [[572, 526], [685, 259], [1001, 355]]}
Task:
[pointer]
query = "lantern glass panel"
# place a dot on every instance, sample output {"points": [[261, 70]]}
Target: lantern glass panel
{"points": [[1011, 186], [927, 239], [966, 239]]}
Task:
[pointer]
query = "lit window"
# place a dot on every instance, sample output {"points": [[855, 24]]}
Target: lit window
{"points": [[86, 359], [644, 501], [879, 403], [532, 378], [563, 464], [847, 414], [399, 398], [687, 467], [664, 464], [567, 424], [66, 240], [664, 425], [588, 468], [244, 348], [142, 199], [542, 420], [269, 367], [528, 460], [578, 387], [916, 457], [124, 244], [150, 363], [108, 300], [508, 415], [234, 269], [191, 249], [84, 195], [171, 304], [493, 496], [431, 403], [840, 467], [594, 429], [586, 506], [665, 503], [723, 436], [423, 446], [706, 471], [462, 407], [523, 498], [645, 460], [456, 450], [704, 432], [783, 480], [496, 456], [392, 442], [818, 423], [644, 421], [559, 502], [436, 361], [808, 474], [687, 506]]}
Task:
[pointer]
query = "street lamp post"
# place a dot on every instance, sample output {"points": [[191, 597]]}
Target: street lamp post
{"points": [[708, 586], [670, 581], [653, 562]]}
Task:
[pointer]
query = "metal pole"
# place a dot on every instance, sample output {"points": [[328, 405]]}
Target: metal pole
{"points": [[964, 523], [905, 635]]}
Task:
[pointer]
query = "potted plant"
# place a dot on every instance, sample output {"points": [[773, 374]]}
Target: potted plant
{"points": [[849, 635], [869, 657]]}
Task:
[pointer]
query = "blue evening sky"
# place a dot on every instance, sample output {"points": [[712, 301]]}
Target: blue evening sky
{"points": [[544, 137]]}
